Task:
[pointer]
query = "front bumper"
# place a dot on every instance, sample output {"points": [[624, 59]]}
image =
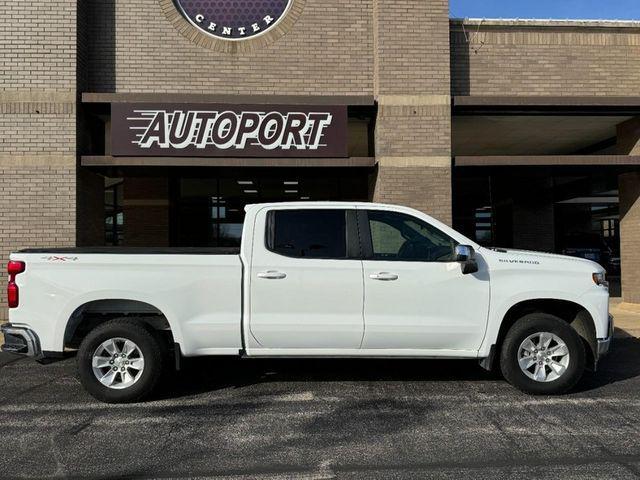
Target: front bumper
{"points": [[604, 344], [21, 340]]}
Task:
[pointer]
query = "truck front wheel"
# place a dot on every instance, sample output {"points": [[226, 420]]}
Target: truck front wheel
{"points": [[542, 355], [120, 361]]}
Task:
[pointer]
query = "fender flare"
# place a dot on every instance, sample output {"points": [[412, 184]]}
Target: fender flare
{"points": [[80, 301]]}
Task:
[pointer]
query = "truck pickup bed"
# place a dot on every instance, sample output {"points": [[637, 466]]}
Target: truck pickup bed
{"points": [[133, 251]]}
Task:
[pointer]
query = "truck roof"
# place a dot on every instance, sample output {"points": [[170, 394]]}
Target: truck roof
{"points": [[302, 204]]}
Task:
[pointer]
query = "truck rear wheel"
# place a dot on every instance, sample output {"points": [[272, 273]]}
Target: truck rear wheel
{"points": [[542, 355], [121, 361]]}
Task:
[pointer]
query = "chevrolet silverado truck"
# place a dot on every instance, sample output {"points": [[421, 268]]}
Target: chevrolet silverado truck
{"points": [[311, 280]]}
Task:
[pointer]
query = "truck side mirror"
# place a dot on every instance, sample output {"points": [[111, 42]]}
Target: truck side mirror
{"points": [[466, 256]]}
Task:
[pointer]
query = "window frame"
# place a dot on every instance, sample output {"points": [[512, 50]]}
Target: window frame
{"points": [[364, 229], [352, 237]]}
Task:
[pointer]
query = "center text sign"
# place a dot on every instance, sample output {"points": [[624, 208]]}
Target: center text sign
{"points": [[198, 130], [234, 19]]}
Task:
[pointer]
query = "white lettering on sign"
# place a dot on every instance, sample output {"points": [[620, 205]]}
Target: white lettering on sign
{"points": [[229, 130], [226, 30]]}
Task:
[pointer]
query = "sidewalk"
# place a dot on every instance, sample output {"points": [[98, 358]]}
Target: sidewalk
{"points": [[626, 317]]}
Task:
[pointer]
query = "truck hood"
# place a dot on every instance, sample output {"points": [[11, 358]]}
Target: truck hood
{"points": [[550, 259]]}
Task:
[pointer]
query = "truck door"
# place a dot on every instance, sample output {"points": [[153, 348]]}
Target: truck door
{"points": [[416, 296], [306, 285]]}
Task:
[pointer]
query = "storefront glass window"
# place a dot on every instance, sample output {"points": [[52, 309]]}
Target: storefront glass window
{"points": [[573, 212], [114, 215], [209, 212]]}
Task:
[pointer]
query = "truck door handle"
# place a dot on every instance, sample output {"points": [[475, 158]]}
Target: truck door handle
{"points": [[384, 276], [272, 275]]}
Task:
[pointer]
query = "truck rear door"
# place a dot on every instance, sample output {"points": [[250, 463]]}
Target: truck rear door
{"points": [[306, 279]]}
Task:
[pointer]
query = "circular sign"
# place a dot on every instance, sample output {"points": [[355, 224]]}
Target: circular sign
{"points": [[234, 19]]}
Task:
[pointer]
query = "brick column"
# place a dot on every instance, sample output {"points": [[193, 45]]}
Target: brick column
{"points": [[412, 83], [628, 137], [628, 143], [37, 127], [90, 208], [629, 184], [146, 212]]}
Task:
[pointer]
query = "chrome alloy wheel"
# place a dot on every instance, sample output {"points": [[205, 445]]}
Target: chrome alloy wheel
{"points": [[543, 357], [118, 363]]}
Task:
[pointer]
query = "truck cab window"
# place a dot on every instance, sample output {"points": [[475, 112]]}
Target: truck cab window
{"points": [[308, 233], [400, 237]]}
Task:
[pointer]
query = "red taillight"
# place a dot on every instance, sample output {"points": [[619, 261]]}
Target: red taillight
{"points": [[13, 294], [14, 268], [13, 297]]}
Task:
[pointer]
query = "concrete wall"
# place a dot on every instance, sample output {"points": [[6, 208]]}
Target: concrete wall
{"points": [[545, 58], [37, 127]]}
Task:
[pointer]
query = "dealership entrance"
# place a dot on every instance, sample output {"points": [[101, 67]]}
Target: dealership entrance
{"points": [[181, 174]]}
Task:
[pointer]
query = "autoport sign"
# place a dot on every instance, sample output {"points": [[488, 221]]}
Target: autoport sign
{"points": [[233, 19], [226, 131]]}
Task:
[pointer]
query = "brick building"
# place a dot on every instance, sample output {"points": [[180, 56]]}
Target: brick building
{"points": [[519, 133]]}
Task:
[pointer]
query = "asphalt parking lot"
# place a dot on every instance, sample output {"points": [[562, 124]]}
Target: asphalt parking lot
{"points": [[323, 419]]}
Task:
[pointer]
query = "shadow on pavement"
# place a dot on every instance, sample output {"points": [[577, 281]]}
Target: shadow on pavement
{"points": [[622, 363], [200, 375], [208, 374], [8, 359]]}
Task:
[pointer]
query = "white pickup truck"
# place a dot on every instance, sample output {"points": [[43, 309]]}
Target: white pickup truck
{"points": [[311, 280]]}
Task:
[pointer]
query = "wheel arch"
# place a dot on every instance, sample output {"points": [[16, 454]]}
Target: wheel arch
{"points": [[576, 315], [92, 313]]}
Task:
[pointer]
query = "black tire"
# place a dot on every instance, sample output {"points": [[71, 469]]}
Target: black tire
{"points": [[530, 325], [150, 345]]}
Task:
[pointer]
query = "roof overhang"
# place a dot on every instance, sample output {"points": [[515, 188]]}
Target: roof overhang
{"points": [[545, 160], [545, 105]]}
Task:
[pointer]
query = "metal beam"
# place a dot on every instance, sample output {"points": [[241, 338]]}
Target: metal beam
{"points": [[109, 161], [545, 160], [541, 105], [544, 101]]}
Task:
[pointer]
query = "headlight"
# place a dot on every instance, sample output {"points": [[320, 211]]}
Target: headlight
{"points": [[600, 279]]}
